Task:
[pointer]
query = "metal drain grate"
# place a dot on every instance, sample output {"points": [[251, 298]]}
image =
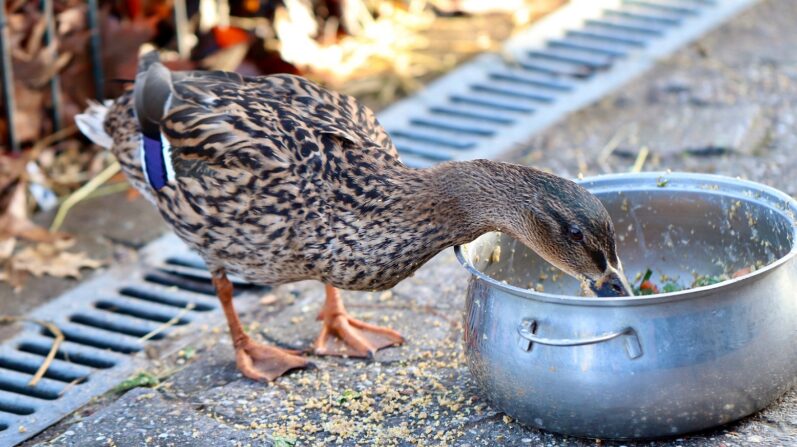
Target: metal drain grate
{"points": [[567, 60], [103, 321]]}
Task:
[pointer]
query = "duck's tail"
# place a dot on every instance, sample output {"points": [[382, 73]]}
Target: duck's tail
{"points": [[92, 123]]}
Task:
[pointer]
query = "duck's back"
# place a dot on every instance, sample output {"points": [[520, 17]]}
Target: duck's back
{"points": [[273, 178]]}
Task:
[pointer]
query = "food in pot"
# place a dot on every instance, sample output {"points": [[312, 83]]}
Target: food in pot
{"points": [[648, 287]]}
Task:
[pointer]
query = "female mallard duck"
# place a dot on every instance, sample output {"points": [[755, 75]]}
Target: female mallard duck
{"points": [[276, 179]]}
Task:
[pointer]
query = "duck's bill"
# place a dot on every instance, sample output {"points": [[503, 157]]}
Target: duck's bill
{"points": [[612, 284]]}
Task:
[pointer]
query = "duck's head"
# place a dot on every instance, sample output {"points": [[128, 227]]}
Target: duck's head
{"points": [[570, 228], [557, 218]]}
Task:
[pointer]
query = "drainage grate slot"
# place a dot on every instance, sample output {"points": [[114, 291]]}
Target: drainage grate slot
{"points": [[618, 33], [67, 355], [490, 103], [602, 36], [612, 24], [547, 66], [512, 93], [661, 6], [184, 261], [529, 79], [148, 311], [17, 383], [200, 273], [12, 403], [164, 297], [450, 126], [102, 339], [433, 154], [181, 282], [122, 325], [464, 113], [29, 364], [3, 426], [588, 46], [592, 61], [15, 409], [430, 138], [644, 17]]}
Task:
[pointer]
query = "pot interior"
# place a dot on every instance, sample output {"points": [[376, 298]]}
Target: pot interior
{"points": [[677, 233]]}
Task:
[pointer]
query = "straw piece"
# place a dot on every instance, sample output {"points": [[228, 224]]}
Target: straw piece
{"points": [[640, 159], [83, 192], [188, 307], [59, 337]]}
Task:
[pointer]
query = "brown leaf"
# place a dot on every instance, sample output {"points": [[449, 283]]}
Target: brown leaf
{"points": [[36, 69], [14, 220], [50, 259], [7, 248]]}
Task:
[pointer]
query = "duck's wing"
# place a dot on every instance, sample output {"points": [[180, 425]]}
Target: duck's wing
{"points": [[224, 121]]}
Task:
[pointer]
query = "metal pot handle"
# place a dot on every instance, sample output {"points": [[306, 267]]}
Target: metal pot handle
{"points": [[528, 327]]}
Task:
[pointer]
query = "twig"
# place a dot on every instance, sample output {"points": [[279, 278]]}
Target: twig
{"points": [[59, 337], [71, 385], [83, 192], [108, 190], [188, 307], [640, 159], [47, 141]]}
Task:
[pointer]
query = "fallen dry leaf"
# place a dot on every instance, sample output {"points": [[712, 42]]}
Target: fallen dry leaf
{"points": [[52, 259], [7, 248], [14, 220]]}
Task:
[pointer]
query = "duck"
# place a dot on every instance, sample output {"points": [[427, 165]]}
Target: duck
{"points": [[275, 179]]}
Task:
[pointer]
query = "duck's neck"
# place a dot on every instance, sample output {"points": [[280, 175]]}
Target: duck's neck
{"points": [[468, 199]]}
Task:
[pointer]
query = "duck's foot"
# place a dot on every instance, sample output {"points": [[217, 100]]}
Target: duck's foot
{"points": [[343, 335], [266, 363], [256, 361]]}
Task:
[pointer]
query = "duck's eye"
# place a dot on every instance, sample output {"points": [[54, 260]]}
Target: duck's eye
{"points": [[575, 234]]}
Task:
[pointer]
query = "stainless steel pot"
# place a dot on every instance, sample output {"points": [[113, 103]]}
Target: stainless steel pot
{"points": [[644, 367]]}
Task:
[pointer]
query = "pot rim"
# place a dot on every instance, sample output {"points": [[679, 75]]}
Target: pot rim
{"points": [[765, 195]]}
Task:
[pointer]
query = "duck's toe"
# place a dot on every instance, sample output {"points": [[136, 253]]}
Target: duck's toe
{"points": [[343, 335], [266, 363]]}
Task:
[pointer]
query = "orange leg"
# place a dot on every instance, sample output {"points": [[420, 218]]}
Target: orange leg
{"points": [[255, 360], [344, 335]]}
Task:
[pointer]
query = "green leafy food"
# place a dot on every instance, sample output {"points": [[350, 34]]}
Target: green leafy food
{"points": [[280, 441], [348, 395], [671, 287], [187, 353], [142, 379], [706, 280], [647, 287]]}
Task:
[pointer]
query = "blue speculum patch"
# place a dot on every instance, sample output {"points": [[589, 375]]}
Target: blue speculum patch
{"points": [[154, 162]]}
